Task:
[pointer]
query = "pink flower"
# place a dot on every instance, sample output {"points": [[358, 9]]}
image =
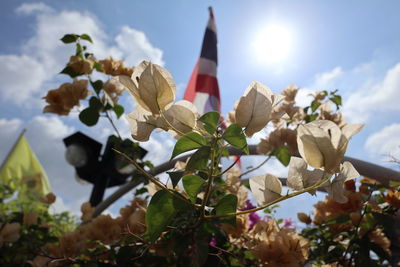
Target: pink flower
{"points": [[253, 218], [249, 205], [287, 223], [213, 242]]}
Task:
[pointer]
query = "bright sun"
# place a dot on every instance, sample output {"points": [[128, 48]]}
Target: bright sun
{"points": [[273, 44]]}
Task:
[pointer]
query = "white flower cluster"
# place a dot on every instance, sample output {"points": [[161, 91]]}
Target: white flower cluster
{"points": [[154, 89], [322, 145]]}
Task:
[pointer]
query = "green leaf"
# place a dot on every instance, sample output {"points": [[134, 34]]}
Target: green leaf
{"points": [[334, 91], [98, 66], [97, 85], [69, 38], [95, 103], [210, 120], [161, 210], [199, 159], [314, 105], [119, 110], [89, 116], [387, 221], [192, 185], [312, 117], [235, 137], [340, 219], [87, 55], [246, 184], [175, 176], [148, 164], [225, 152], [394, 184], [228, 204], [200, 254], [141, 191], [337, 99], [79, 50], [188, 142], [283, 155], [87, 38], [69, 71]]}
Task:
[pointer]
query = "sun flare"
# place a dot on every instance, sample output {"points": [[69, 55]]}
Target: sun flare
{"points": [[273, 44]]}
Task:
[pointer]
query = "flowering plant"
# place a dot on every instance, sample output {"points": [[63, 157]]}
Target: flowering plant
{"points": [[204, 216]]}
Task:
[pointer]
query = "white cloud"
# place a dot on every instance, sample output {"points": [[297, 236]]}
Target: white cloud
{"points": [[385, 142], [8, 128], [135, 45], [365, 90], [322, 81], [51, 127], [29, 8], [21, 76], [28, 74], [303, 97], [326, 79], [159, 147], [381, 96], [73, 207], [45, 134], [272, 166]]}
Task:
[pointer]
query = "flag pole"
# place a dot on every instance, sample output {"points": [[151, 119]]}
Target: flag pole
{"points": [[12, 148]]}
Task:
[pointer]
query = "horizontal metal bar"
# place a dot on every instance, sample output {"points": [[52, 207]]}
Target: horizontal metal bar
{"points": [[370, 170]]}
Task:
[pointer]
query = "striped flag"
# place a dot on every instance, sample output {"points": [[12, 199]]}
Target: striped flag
{"points": [[202, 89]]}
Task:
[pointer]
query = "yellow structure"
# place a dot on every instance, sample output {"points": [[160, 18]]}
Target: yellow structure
{"points": [[21, 170]]}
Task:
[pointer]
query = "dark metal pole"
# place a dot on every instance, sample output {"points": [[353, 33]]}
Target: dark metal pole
{"points": [[99, 188]]}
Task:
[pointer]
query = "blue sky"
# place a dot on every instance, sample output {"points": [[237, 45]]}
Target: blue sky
{"points": [[353, 46]]}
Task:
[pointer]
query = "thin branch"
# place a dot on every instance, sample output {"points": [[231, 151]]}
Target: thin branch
{"points": [[133, 234], [351, 241], [222, 250], [210, 178], [227, 169], [152, 178], [259, 166], [106, 112], [270, 203], [112, 123]]}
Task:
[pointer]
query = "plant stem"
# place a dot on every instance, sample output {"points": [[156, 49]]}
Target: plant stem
{"points": [[112, 123], [253, 169], [105, 111], [227, 169], [356, 231], [153, 179], [210, 177], [270, 203]]}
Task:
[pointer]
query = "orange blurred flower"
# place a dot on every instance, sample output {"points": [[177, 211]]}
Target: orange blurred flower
{"points": [[63, 99]]}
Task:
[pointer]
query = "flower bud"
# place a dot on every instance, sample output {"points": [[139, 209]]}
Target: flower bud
{"points": [[304, 218]]}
